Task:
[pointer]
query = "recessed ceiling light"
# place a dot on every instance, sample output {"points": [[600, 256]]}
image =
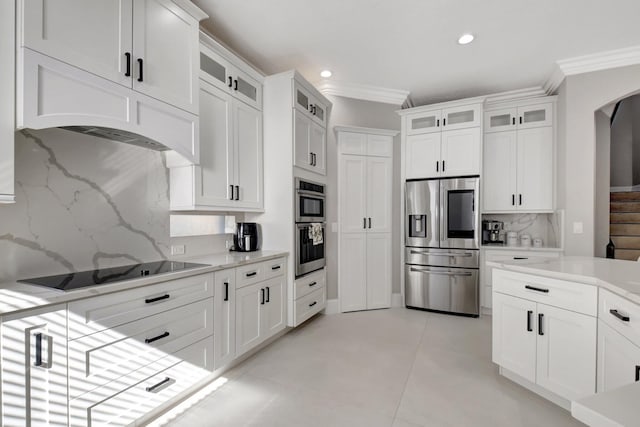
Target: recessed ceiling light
{"points": [[465, 39], [326, 74]]}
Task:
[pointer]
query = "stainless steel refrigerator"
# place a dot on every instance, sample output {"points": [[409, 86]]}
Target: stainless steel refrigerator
{"points": [[442, 229]]}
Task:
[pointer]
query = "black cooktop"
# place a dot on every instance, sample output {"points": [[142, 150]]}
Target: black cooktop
{"points": [[103, 276]]}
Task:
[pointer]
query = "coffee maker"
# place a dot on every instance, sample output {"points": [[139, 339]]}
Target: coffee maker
{"points": [[248, 237], [491, 231]]}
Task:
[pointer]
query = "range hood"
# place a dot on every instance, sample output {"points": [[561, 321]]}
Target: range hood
{"points": [[52, 94]]}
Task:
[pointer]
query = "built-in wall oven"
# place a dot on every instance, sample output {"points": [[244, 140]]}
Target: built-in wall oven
{"points": [[441, 245], [309, 226]]}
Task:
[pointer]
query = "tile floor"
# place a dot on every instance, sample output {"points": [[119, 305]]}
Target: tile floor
{"points": [[393, 368]]}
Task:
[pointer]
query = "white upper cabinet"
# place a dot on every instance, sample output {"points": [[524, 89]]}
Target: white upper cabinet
{"points": [[310, 140], [422, 155], [304, 101], [518, 117], [148, 45], [500, 120], [424, 122], [460, 152], [467, 116], [248, 144], [499, 172], [535, 169], [7, 102]]}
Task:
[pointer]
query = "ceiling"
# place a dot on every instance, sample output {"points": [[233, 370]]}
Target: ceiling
{"points": [[412, 44]]}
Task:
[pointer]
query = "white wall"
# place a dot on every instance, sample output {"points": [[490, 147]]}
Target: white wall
{"points": [[353, 112], [622, 153], [603, 150], [579, 97]]}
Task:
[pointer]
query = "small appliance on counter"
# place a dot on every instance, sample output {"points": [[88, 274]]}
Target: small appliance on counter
{"points": [[247, 238], [491, 231]]}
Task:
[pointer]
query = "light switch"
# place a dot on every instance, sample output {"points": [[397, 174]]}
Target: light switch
{"points": [[577, 228], [177, 250], [334, 227]]}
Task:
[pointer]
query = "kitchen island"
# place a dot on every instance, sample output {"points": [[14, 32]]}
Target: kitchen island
{"points": [[567, 328]]}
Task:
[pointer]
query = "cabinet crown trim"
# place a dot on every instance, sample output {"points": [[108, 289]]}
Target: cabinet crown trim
{"points": [[209, 42], [191, 9], [364, 92], [371, 131]]}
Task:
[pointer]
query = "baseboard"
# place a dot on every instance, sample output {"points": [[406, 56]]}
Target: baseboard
{"points": [[396, 300], [333, 306], [560, 401]]}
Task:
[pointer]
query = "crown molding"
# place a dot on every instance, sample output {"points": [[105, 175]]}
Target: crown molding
{"points": [[372, 131], [590, 63], [363, 92], [515, 95]]}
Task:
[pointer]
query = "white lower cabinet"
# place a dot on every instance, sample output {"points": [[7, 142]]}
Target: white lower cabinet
{"points": [[618, 359], [224, 317], [34, 368], [309, 296], [546, 343]]}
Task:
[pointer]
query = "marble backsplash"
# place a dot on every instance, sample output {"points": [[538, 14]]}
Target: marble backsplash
{"points": [[82, 203], [547, 226]]}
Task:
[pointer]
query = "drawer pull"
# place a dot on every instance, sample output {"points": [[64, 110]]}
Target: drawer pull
{"points": [[150, 300], [313, 303], [312, 284], [520, 257], [226, 291], [619, 316], [637, 373], [529, 328], [540, 317], [275, 267], [159, 337], [262, 296], [533, 288], [268, 294], [253, 273], [156, 388]]}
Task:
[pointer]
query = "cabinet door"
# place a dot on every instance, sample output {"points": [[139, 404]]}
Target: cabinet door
{"points": [[319, 113], [301, 140], [380, 145], [566, 353], [535, 169], [618, 359], [274, 306], [353, 271], [353, 193], [301, 98], [514, 336], [215, 69], [499, 172], [317, 148], [533, 116], [224, 317], [500, 120], [378, 270], [247, 89], [34, 368], [214, 176], [422, 156], [167, 55], [426, 122], [379, 180], [353, 143], [461, 117], [249, 328], [247, 134], [461, 152], [93, 36]]}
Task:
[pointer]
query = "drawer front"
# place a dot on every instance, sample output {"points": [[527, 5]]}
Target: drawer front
{"points": [[104, 406], [105, 356], [573, 296], [97, 314], [310, 304], [250, 274], [274, 268], [621, 314], [307, 284]]}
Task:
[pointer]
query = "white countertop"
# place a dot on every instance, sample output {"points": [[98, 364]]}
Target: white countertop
{"points": [[16, 296], [519, 248], [618, 276], [615, 408]]}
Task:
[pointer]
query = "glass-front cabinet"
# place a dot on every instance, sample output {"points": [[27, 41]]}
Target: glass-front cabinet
{"points": [[465, 116], [304, 101], [513, 118], [424, 122]]}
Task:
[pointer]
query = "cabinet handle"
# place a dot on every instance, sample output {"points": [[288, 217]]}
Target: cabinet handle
{"points": [[540, 317], [437, 166], [226, 291], [520, 199], [444, 122], [438, 123], [268, 294], [313, 303], [39, 362], [364, 222], [312, 284], [127, 73], [151, 300], [315, 159], [533, 288], [275, 267], [253, 273], [262, 296], [311, 108], [521, 120], [443, 168], [235, 84], [637, 373], [154, 388], [513, 121], [237, 192], [529, 328], [310, 159], [619, 316], [141, 70], [513, 200], [159, 337], [369, 222], [230, 81], [231, 198], [520, 257]]}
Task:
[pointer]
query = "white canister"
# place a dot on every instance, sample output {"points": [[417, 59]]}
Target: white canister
{"points": [[537, 242], [512, 238], [525, 241]]}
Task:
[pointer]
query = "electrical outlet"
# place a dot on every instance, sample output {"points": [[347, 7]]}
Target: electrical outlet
{"points": [[177, 250], [578, 228], [228, 243]]}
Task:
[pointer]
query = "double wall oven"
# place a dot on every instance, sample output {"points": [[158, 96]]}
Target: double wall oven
{"points": [[310, 212], [442, 227]]}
